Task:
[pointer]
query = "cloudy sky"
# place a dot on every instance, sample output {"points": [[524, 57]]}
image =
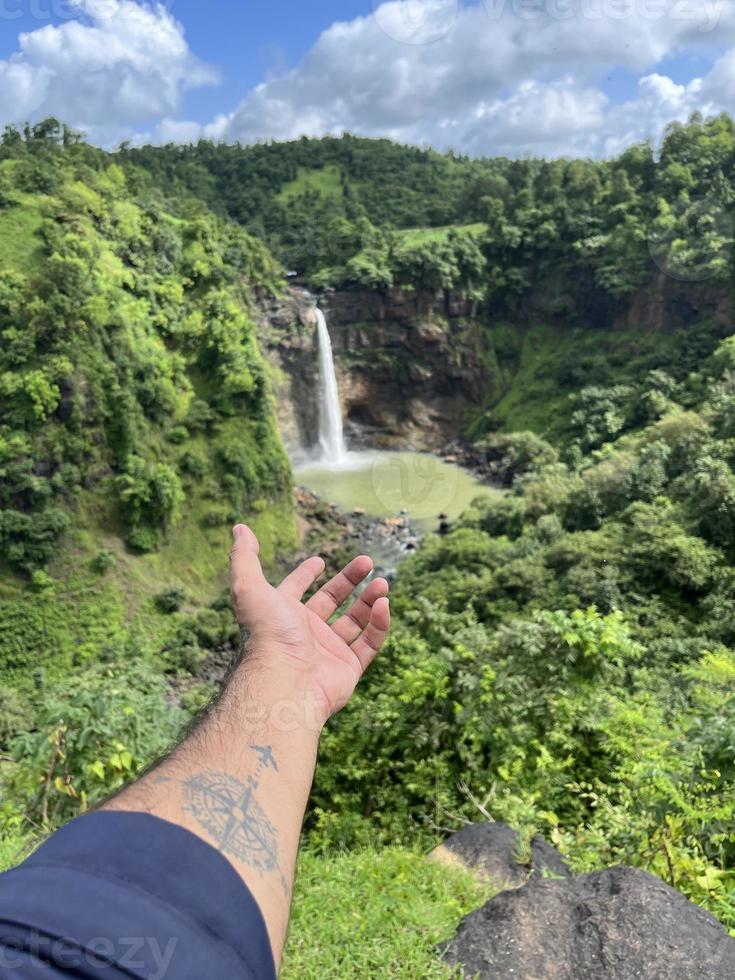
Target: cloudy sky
{"points": [[553, 77]]}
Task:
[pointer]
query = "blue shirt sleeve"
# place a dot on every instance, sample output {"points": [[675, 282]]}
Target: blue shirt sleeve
{"points": [[120, 895]]}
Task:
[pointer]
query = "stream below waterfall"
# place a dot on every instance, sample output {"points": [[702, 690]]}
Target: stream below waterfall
{"points": [[398, 498]]}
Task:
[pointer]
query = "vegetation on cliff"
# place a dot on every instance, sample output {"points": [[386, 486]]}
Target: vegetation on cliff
{"points": [[135, 426]]}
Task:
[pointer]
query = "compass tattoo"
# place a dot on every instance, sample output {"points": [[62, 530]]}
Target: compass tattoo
{"points": [[226, 808]]}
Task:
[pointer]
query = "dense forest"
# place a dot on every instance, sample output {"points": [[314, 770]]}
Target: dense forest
{"points": [[563, 659], [373, 213], [135, 426]]}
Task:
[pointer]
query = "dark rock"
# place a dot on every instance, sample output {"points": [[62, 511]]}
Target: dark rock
{"points": [[490, 850], [616, 924]]}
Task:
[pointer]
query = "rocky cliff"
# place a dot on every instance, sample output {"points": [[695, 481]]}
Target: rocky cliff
{"points": [[409, 364], [414, 366]]}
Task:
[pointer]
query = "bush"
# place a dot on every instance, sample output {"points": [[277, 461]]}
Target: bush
{"points": [[509, 455], [151, 498], [16, 715], [178, 435], [103, 561], [29, 540], [171, 600], [451, 703], [90, 740]]}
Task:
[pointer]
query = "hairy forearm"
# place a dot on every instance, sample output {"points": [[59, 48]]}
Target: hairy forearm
{"points": [[241, 780]]}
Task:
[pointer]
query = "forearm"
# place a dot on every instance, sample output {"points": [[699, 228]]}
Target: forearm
{"points": [[241, 781]]}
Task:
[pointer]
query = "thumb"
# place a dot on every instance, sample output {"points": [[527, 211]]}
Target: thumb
{"points": [[246, 575]]}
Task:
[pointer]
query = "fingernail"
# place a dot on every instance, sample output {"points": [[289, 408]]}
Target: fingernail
{"points": [[237, 531]]}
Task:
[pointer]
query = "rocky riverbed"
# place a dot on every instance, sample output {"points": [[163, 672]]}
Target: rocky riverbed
{"points": [[337, 536]]}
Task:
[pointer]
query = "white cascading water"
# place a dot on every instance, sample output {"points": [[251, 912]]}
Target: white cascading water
{"points": [[331, 435]]}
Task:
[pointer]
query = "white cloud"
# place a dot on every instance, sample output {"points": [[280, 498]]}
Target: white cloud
{"points": [[499, 76], [482, 76], [123, 64], [540, 119]]}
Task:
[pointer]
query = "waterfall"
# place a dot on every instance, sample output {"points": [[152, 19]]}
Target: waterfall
{"points": [[331, 436]]}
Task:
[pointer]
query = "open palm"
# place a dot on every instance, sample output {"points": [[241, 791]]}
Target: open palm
{"points": [[290, 633]]}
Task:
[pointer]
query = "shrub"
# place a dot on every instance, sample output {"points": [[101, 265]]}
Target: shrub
{"points": [[178, 435], [90, 740], [509, 455], [103, 561], [16, 715], [29, 540], [171, 600], [151, 498]]}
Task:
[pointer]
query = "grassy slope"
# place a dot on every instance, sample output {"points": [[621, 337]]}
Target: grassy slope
{"points": [[375, 914], [89, 614], [325, 180], [419, 236], [534, 400], [19, 246]]}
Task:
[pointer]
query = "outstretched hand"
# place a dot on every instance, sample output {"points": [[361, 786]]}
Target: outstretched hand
{"points": [[287, 633]]}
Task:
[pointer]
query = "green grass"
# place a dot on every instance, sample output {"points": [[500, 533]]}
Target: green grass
{"points": [[326, 181], [12, 851], [375, 914], [419, 236], [534, 400], [19, 243]]}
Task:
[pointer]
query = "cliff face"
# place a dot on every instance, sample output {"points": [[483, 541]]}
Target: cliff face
{"points": [[287, 330], [662, 304], [413, 365], [409, 364]]}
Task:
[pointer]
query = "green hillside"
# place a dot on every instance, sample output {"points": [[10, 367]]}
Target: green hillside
{"points": [[135, 419], [325, 181], [328, 208]]}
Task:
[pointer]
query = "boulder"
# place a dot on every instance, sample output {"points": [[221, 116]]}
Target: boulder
{"points": [[490, 851], [616, 924]]}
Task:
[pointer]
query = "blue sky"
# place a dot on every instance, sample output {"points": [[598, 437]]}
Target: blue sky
{"points": [[579, 77], [247, 40]]}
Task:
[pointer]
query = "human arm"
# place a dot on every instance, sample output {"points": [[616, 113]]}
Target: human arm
{"points": [[241, 780]]}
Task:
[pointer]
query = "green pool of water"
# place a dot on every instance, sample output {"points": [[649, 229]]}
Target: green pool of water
{"points": [[385, 484]]}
